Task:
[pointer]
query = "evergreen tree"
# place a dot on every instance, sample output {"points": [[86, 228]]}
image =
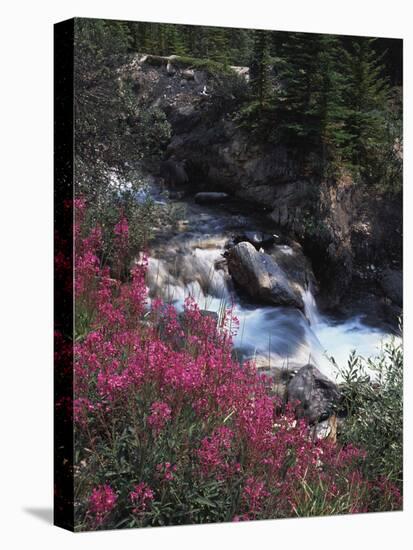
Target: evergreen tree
{"points": [[311, 109], [327, 107], [295, 98], [174, 40], [367, 98], [260, 70], [240, 43], [100, 107], [218, 44]]}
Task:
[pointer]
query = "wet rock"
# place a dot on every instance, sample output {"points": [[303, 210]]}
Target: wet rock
{"points": [[327, 429], [292, 260], [257, 238], [210, 197], [258, 274], [392, 284], [316, 394]]}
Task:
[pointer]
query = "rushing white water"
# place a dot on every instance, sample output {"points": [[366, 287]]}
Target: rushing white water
{"points": [[191, 263], [310, 307]]}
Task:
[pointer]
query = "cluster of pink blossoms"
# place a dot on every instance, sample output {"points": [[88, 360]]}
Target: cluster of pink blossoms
{"points": [[166, 471], [254, 495], [215, 454], [101, 503], [141, 497], [160, 415]]}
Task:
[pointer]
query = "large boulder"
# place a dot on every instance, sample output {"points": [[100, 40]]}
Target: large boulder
{"points": [[258, 274], [316, 395], [292, 260], [392, 285]]}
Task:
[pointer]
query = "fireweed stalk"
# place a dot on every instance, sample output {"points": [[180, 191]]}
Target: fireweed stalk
{"points": [[170, 429]]}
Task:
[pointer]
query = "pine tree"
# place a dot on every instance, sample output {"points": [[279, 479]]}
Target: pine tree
{"points": [[240, 43], [110, 126], [326, 105], [260, 70], [173, 40], [367, 97], [218, 44], [295, 98], [311, 107]]}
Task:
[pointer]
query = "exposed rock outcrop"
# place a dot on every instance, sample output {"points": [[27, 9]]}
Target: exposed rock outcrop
{"points": [[260, 277], [173, 172], [316, 394], [392, 284]]}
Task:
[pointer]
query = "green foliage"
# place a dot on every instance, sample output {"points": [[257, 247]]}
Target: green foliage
{"points": [[260, 69], [383, 168], [213, 68], [113, 131], [373, 398], [310, 105], [367, 97], [218, 44]]}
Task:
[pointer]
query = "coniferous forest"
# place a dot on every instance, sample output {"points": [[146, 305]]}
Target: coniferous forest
{"points": [[237, 334]]}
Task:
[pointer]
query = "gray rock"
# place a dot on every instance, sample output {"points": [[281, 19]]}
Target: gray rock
{"points": [[258, 274], [188, 74], [291, 259], [257, 238], [316, 394], [392, 284], [210, 197], [170, 69], [327, 429]]}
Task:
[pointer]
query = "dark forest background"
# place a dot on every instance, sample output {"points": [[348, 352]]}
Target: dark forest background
{"points": [[335, 100]]}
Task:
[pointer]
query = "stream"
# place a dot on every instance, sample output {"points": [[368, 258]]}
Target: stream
{"points": [[189, 261]]}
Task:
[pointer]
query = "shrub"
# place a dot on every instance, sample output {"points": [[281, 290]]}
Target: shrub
{"points": [[373, 397], [170, 429]]}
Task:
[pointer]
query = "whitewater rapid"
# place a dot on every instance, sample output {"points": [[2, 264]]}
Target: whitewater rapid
{"points": [[191, 263]]}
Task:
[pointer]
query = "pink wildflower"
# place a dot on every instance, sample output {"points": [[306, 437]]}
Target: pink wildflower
{"points": [[167, 470], [101, 502], [141, 497], [160, 415], [254, 494]]}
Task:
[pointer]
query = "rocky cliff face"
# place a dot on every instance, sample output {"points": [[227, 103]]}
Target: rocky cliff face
{"points": [[351, 235]]}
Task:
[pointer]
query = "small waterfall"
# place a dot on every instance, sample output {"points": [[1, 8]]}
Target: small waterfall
{"points": [[190, 262], [310, 307], [189, 269]]}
